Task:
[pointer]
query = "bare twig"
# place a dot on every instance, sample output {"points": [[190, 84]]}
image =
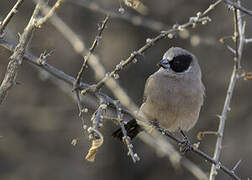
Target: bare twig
{"points": [[200, 153], [236, 165], [248, 40], [6, 21], [126, 139], [168, 150], [17, 57], [86, 58], [239, 37], [44, 19], [91, 50]]}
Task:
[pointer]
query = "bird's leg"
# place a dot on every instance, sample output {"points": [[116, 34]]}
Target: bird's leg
{"points": [[185, 145], [155, 123]]}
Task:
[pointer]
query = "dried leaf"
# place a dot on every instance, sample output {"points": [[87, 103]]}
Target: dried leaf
{"points": [[93, 150]]}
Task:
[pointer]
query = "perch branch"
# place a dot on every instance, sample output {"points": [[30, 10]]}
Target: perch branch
{"points": [[194, 149]]}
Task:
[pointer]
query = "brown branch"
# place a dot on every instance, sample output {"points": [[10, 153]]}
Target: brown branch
{"points": [[7, 19], [80, 73], [17, 56], [126, 139], [52, 11], [239, 39], [194, 149], [91, 50]]}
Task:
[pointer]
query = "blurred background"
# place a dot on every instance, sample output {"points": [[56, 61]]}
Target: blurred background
{"points": [[38, 120]]}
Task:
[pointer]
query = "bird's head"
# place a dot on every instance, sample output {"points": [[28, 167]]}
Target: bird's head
{"points": [[178, 61]]}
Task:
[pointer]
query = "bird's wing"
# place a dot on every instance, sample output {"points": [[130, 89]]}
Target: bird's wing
{"points": [[145, 89]]}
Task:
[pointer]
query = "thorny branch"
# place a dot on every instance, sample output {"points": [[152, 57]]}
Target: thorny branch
{"points": [[17, 56], [239, 40], [6, 21], [194, 149], [126, 139], [91, 50], [84, 65], [44, 19]]}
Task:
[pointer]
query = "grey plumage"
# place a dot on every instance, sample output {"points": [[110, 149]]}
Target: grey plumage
{"points": [[173, 95], [174, 99]]}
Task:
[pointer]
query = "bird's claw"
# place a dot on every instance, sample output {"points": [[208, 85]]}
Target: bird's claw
{"points": [[75, 87], [185, 145]]}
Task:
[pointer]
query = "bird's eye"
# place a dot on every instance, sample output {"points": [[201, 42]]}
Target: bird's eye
{"points": [[180, 63]]}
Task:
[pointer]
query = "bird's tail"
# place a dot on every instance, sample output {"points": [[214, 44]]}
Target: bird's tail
{"points": [[132, 129]]}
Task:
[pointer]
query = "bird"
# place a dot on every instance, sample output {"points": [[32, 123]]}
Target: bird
{"points": [[173, 95]]}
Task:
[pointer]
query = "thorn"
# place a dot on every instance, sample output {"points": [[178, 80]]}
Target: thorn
{"points": [[19, 35], [19, 83], [236, 165]]}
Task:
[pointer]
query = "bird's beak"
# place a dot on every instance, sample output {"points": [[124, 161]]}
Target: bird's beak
{"points": [[164, 64]]}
